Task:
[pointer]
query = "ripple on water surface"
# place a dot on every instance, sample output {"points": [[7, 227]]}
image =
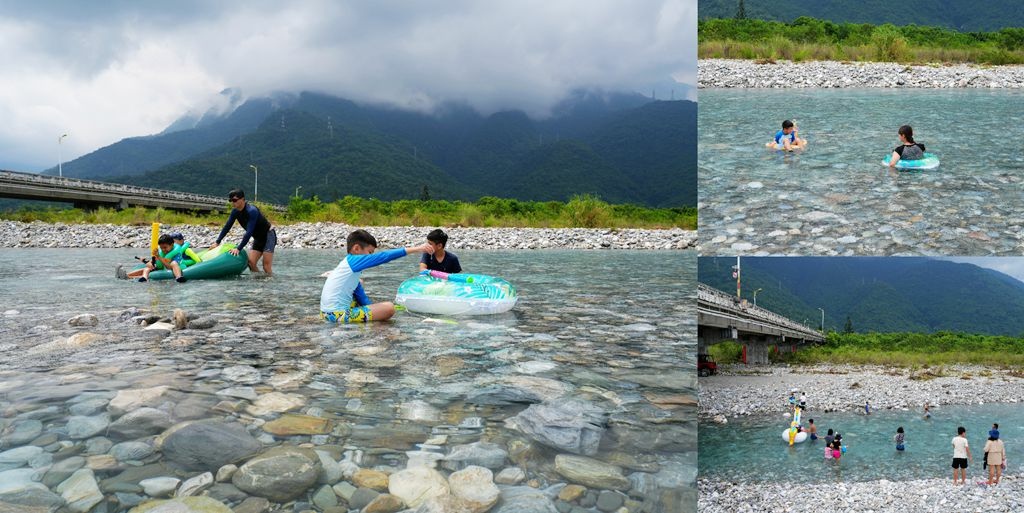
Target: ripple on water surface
{"points": [[836, 197], [603, 342]]}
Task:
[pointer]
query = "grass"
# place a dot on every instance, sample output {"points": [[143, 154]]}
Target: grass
{"points": [[580, 212], [914, 351], [809, 39]]}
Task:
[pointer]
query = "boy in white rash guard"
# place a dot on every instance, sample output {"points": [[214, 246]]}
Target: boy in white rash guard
{"points": [[343, 299]]}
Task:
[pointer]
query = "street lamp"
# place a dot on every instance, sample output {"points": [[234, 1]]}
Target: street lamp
{"points": [[822, 319], [60, 158], [256, 192], [297, 191], [755, 296]]}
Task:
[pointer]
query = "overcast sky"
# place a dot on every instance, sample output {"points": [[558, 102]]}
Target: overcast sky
{"points": [[102, 71], [1013, 266]]}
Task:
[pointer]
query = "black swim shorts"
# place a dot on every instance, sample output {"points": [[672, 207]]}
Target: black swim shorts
{"points": [[265, 245], [959, 462]]}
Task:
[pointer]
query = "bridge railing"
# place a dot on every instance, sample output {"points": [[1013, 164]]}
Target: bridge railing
{"points": [[717, 297], [114, 188]]}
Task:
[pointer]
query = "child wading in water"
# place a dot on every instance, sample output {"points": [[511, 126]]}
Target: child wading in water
{"points": [[908, 149], [899, 439], [787, 139]]}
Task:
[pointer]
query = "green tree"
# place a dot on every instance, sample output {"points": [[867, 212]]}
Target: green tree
{"points": [[848, 327], [425, 193], [741, 11]]}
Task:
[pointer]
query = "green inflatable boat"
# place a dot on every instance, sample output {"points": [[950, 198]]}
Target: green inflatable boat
{"points": [[217, 263]]}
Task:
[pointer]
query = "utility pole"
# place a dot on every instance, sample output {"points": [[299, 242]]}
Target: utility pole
{"points": [[736, 271], [755, 295], [256, 192], [822, 320]]}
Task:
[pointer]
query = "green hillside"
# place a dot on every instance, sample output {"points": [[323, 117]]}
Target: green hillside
{"points": [[333, 147], [961, 15], [879, 294]]}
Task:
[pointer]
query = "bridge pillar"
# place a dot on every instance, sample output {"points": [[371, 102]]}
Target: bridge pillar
{"points": [[121, 204], [709, 335], [756, 349]]}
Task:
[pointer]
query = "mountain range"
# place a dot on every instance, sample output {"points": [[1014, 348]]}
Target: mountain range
{"points": [[907, 294], [961, 15], [624, 148]]}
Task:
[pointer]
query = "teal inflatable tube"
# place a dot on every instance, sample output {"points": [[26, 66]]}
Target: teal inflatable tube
{"points": [[216, 264], [930, 161], [463, 294]]}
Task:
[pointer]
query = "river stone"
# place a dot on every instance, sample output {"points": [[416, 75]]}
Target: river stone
{"points": [[84, 320], [98, 445], [139, 423], [253, 505], [291, 424], [62, 470], [22, 432], [159, 486], [609, 501], [207, 445], [384, 503], [590, 472], [330, 471], [280, 474], [569, 424], [89, 407], [375, 479], [18, 487], [128, 400], [481, 454], [416, 485], [475, 487], [19, 457], [344, 490], [325, 498], [275, 402], [524, 499], [224, 473], [247, 393], [226, 493], [182, 505], [87, 427], [202, 323], [195, 485], [361, 497], [243, 374], [571, 492], [80, 491], [131, 451], [510, 476]]}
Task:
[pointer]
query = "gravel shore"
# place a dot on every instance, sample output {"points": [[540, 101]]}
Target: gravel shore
{"points": [[762, 390], [332, 235], [730, 73], [881, 495]]}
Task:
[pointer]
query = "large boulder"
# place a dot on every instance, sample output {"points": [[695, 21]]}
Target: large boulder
{"points": [[139, 423], [590, 472], [482, 454], [207, 445], [475, 487], [569, 424], [280, 474], [415, 485]]}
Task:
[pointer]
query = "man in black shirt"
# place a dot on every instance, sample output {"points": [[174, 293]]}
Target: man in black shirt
{"points": [[264, 238], [439, 260]]}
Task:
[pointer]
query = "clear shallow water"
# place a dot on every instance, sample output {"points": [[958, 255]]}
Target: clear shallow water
{"points": [[752, 449], [616, 329], [836, 197]]}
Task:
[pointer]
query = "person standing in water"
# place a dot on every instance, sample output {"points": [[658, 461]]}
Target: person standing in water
{"points": [[899, 438], [961, 455], [256, 226]]}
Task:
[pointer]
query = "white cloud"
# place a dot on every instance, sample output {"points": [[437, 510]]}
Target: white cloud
{"points": [[126, 68]]}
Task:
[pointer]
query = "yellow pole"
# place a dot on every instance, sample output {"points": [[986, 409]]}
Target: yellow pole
{"points": [[154, 236]]}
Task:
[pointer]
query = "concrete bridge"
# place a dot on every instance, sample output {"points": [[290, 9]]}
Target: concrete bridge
{"points": [[91, 194], [722, 316]]}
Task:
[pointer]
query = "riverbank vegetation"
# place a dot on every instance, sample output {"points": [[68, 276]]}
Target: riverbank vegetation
{"points": [[895, 349], [579, 212], [810, 39]]}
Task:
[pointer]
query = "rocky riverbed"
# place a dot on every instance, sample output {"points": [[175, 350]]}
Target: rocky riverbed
{"points": [[732, 73], [332, 235], [763, 390], [879, 496], [232, 396]]}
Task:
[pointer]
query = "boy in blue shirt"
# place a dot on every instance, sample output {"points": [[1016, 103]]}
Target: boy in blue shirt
{"points": [[787, 138], [439, 260], [343, 299]]}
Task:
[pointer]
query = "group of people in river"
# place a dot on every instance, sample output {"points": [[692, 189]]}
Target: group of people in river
{"points": [[342, 299], [788, 139], [995, 450]]}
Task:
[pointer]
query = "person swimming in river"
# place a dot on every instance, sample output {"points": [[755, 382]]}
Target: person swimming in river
{"points": [[787, 139], [908, 148]]}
